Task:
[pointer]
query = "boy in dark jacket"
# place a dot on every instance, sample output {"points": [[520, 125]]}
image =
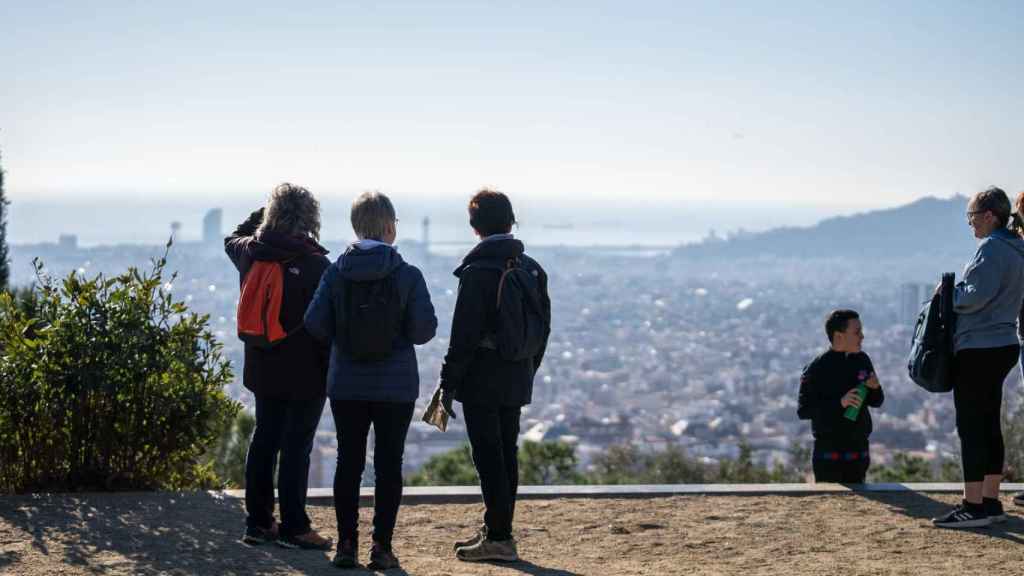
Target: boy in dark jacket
{"points": [[288, 380], [372, 307], [829, 398], [492, 390]]}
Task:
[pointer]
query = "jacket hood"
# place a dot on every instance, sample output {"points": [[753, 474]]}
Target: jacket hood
{"points": [[274, 246], [1008, 236], [376, 263], [493, 250]]}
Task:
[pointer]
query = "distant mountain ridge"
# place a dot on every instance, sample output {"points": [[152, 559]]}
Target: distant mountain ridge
{"points": [[926, 227]]}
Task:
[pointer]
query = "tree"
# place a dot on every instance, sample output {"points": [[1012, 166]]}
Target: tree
{"points": [[548, 463], [5, 270], [229, 453], [908, 468], [452, 468], [109, 385]]}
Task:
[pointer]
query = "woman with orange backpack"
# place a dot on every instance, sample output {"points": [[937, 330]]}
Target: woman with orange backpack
{"points": [[280, 262]]}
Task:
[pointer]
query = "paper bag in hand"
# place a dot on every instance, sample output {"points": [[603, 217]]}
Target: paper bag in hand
{"points": [[435, 414]]}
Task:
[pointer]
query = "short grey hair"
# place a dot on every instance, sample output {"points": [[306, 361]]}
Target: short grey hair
{"points": [[292, 210], [372, 212], [993, 200]]}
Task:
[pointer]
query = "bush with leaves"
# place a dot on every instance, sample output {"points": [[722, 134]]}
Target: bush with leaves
{"points": [[108, 384]]}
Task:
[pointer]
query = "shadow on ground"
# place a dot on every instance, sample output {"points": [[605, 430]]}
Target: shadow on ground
{"points": [[195, 533], [923, 507], [161, 533]]}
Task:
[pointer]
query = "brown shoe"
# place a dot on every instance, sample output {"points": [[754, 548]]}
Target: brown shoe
{"points": [[490, 551], [480, 536], [382, 557], [308, 541]]}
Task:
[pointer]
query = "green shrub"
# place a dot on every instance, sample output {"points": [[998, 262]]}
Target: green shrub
{"points": [[108, 384]]}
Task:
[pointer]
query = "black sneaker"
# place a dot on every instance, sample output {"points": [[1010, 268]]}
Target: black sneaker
{"points": [[964, 516], [256, 536], [1018, 499], [994, 510], [382, 557], [346, 555]]}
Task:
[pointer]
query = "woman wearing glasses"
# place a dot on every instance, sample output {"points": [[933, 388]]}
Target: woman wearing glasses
{"points": [[987, 302]]}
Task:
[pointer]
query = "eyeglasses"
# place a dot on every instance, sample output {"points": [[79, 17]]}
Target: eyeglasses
{"points": [[972, 213]]}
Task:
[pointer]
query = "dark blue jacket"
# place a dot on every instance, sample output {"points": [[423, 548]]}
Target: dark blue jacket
{"points": [[395, 379]]}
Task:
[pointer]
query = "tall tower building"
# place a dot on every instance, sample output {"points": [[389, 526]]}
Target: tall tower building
{"points": [[912, 297], [426, 234], [212, 226]]}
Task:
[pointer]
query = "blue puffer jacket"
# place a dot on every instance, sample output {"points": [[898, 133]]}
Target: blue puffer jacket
{"points": [[395, 379]]}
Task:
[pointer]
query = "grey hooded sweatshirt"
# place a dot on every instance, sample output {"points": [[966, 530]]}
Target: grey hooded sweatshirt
{"points": [[988, 299]]}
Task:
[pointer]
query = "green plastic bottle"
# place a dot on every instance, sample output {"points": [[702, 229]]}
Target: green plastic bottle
{"points": [[853, 411]]}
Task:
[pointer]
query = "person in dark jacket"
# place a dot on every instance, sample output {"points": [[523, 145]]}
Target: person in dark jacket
{"points": [[829, 392], [289, 379], [377, 392], [492, 390]]}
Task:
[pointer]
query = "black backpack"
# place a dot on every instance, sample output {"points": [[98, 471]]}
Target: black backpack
{"points": [[931, 349], [371, 319], [523, 321]]}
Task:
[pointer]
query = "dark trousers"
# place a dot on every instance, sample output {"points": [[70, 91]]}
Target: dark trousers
{"points": [[978, 397], [286, 427], [852, 472], [390, 421], [493, 432]]}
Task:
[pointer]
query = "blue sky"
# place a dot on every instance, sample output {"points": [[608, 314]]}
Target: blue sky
{"points": [[794, 103]]}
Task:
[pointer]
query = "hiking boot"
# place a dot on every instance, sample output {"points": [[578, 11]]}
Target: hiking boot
{"points": [[1018, 499], [994, 510], [382, 557], [489, 551], [308, 541], [480, 536], [964, 516], [346, 555], [255, 536]]}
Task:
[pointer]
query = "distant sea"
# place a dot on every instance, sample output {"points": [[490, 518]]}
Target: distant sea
{"points": [[547, 223]]}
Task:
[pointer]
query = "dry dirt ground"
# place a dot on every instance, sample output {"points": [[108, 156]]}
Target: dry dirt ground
{"points": [[849, 534]]}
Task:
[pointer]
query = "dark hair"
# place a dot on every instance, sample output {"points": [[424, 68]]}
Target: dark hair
{"points": [[1017, 216], [993, 200], [490, 212], [839, 321]]}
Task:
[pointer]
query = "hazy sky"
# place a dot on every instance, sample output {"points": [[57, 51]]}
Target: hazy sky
{"points": [[852, 103]]}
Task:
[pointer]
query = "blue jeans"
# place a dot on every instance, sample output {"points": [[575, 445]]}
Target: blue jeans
{"points": [[286, 427]]}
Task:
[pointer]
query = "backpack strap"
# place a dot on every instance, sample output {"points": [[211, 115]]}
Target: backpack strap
{"points": [[510, 265]]}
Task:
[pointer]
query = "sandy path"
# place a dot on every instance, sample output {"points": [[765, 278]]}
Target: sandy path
{"points": [[812, 535]]}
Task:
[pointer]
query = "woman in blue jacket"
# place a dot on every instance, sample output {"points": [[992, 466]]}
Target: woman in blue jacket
{"points": [[373, 308], [987, 302]]}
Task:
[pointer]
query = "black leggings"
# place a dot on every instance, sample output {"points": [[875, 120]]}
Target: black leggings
{"points": [[978, 396]]}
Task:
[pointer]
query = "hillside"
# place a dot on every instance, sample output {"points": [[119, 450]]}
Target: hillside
{"points": [[931, 227]]}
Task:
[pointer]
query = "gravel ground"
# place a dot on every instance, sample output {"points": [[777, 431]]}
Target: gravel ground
{"points": [[848, 534]]}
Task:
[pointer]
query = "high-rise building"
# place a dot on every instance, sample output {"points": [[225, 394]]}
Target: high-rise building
{"points": [[212, 226], [68, 242], [912, 298], [426, 234]]}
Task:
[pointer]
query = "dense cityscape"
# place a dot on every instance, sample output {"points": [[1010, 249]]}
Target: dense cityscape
{"points": [[647, 347]]}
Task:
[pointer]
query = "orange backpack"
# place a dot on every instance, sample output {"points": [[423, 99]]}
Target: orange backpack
{"points": [[259, 307]]}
